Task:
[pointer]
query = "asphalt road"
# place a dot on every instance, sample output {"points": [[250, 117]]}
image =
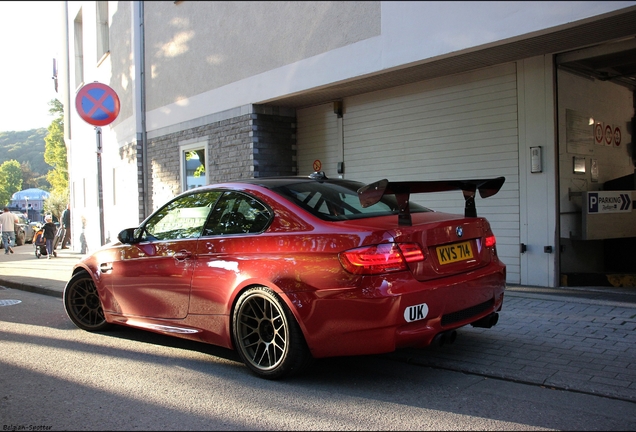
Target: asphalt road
{"points": [[57, 377], [558, 358]]}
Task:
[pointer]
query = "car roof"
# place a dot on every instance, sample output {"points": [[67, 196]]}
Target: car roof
{"points": [[274, 182]]}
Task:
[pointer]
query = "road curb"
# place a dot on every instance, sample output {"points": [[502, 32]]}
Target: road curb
{"points": [[31, 288]]}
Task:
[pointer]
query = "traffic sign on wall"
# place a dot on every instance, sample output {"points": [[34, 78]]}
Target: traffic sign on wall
{"points": [[97, 104], [609, 202]]}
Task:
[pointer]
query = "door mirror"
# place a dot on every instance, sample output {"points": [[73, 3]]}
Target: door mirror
{"points": [[127, 236]]}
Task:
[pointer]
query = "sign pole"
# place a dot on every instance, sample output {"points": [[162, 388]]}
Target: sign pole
{"points": [[100, 191], [98, 105]]}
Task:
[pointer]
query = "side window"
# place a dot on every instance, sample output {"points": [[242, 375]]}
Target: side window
{"points": [[181, 218], [193, 172], [237, 213]]}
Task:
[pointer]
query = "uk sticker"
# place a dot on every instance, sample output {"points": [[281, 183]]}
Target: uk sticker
{"points": [[416, 313]]}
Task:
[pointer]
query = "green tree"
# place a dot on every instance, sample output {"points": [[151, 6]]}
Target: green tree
{"points": [[55, 151], [55, 204], [29, 178], [10, 180]]}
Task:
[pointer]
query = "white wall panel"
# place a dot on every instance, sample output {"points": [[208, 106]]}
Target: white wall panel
{"points": [[455, 127], [318, 137]]}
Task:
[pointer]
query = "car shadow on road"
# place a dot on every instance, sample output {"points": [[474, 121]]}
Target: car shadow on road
{"points": [[145, 336]]}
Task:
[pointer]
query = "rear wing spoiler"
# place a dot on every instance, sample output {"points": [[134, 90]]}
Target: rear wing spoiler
{"points": [[372, 193]]}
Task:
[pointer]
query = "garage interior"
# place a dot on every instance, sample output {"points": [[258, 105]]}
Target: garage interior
{"points": [[595, 258]]}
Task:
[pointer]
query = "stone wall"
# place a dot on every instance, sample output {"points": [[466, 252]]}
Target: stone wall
{"points": [[260, 144]]}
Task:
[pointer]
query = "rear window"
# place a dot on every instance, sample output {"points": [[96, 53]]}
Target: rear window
{"points": [[339, 201]]}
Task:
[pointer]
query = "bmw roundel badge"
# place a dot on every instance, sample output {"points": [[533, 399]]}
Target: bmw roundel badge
{"points": [[459, 231]]}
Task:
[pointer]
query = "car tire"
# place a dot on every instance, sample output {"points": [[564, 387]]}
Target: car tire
{"points": [[267, 337], [82, 303], [19, 238]]}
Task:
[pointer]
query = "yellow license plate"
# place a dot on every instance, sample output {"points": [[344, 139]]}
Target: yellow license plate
{"points": [[454, 252]]}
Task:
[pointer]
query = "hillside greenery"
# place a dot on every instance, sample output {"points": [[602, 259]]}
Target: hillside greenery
{"points": [[27, 148], [35, 159]]}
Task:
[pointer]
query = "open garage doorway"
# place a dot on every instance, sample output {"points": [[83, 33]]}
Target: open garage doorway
{"points": [[595, 94]]}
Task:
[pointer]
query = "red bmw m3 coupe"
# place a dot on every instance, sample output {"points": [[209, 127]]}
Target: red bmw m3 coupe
{"points": [[288, 269]]}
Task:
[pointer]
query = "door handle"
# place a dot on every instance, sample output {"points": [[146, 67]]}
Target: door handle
{"points": [[182, 255]]}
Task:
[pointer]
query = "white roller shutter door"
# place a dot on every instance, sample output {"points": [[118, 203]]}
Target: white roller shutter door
{"points": [[456, 127], [319, 138]]}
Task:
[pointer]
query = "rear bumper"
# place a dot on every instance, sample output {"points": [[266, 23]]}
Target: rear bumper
{"points": [[382, 314]]}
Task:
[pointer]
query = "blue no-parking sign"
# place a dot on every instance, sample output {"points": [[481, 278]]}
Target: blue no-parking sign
{"points": [[97, 104]]}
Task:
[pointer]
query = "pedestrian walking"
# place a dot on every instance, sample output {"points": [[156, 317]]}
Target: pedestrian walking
{"points": [[66, 224], [50, 230], [7, 222]]}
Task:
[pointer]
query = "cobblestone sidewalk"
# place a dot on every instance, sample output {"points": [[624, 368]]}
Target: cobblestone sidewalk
{"points": [[568, 343]]}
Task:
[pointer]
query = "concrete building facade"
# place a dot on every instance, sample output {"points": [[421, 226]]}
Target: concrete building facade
{"points": [[364, 91]]}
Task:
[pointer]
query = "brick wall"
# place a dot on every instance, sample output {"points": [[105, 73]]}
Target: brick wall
{"points": [[274, 142], [260, 144]]}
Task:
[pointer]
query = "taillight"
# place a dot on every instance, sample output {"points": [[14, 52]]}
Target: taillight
{"points": [[382, 258], [411, 252], [491, 241]]}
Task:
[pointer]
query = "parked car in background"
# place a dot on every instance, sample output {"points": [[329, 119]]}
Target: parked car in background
{"points": [[23, 229], [288, 269]]}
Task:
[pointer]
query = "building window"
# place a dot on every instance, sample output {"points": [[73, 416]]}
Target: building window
{"points": [[79, 50], [193, 167], [102, 30]]}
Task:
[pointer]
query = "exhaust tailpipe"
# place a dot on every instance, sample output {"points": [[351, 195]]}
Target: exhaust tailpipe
{"points": [[487, 321], [444, 337], [452, 335]]}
